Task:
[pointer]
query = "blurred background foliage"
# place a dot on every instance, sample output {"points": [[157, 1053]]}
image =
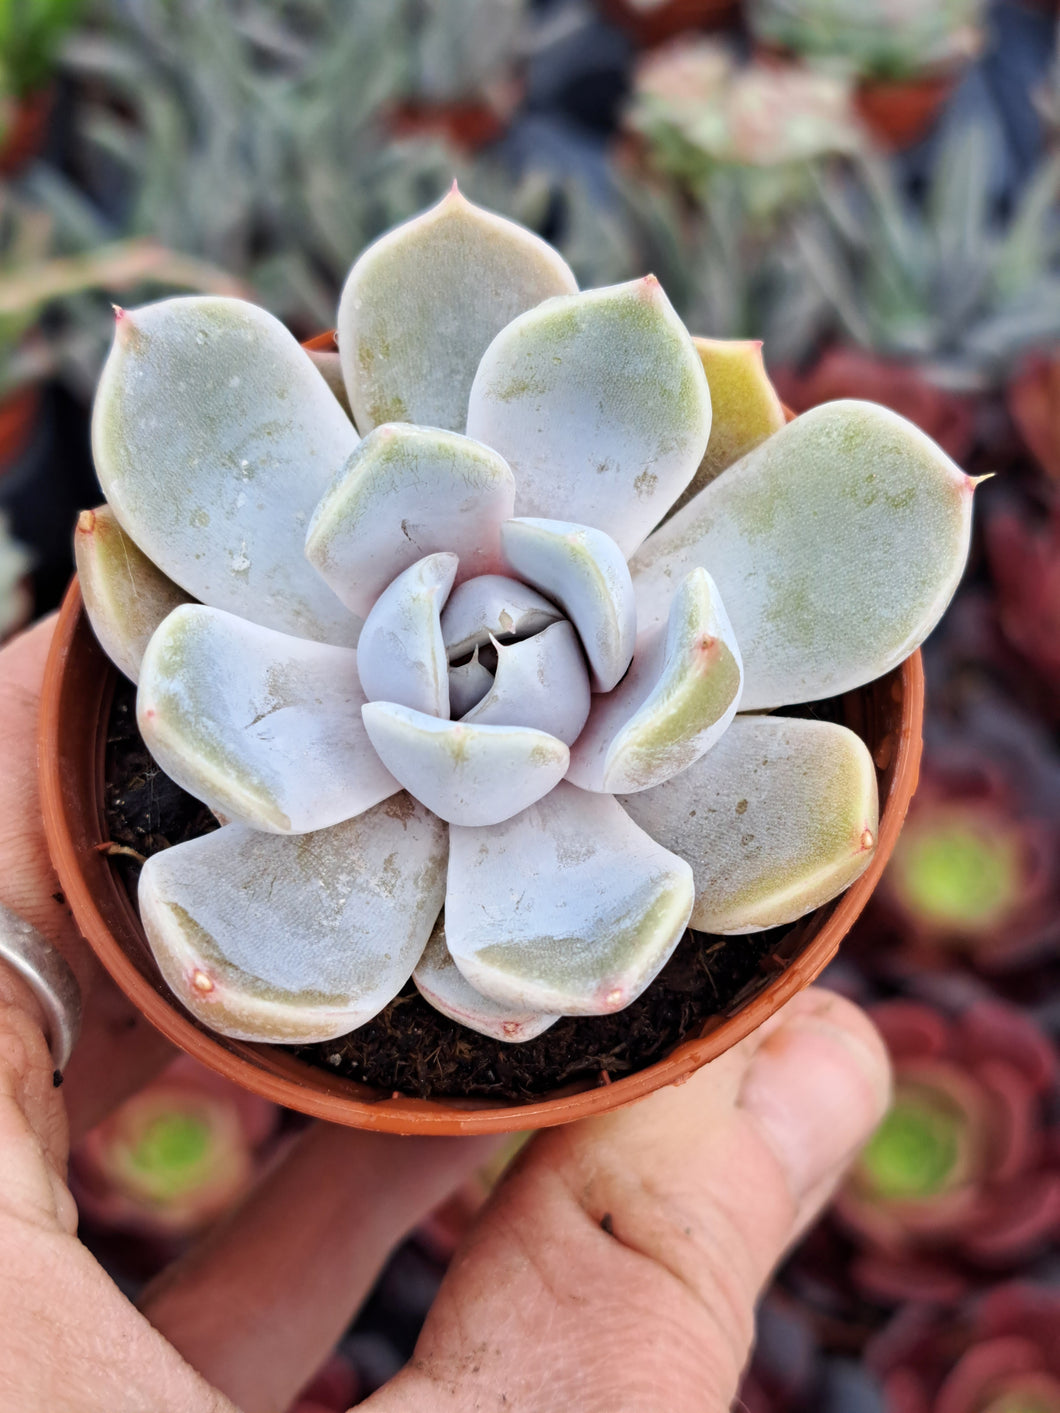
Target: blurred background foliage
{"points": [[868, 186]]}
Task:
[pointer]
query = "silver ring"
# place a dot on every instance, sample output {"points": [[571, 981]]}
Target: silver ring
{"points": [[48, 975]]}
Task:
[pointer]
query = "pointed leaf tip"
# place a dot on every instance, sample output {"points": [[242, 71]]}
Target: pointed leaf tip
{"points": [[599, 403], [421, 306], [214, 438], [836, 544]]}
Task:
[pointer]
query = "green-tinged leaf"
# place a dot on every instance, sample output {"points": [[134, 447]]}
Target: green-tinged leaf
{"points": [[293, 940], [777, 819], [836, 545]]}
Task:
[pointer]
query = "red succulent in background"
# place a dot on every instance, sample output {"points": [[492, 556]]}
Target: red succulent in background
{"points": [[1024, 563], [1003, 1356], [1034, 404], [964, 1171], [173, 1157], [849, 372], [975, 876]]}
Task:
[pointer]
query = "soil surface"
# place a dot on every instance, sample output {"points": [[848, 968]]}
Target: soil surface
{"points": [[409, 1048]]}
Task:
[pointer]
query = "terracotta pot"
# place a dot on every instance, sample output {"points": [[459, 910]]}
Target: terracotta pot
{"points": [[78, 690], [661, 22], [26, 132], [468, 126], [899, 113]]}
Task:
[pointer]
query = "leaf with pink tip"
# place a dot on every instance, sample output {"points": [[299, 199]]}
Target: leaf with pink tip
{"points": [[421, 306], [408, 492], [468, 684], [295, 940], [263, 727], [744, 404], [777, 819], [493, 606], [567, 908], [836, 545], [584, 571], [466, 774], [678, 697], [400, 653], [541, 682], [126, 597], [214, 438], [599, 403], [442, 986]]}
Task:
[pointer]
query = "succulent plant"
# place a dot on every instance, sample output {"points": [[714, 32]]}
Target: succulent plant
{"points": [[998, 1355], [701, 114], [462, 49], [886, 39], [946, 283], [174, 1157], [442, 654], [962, 1172]]}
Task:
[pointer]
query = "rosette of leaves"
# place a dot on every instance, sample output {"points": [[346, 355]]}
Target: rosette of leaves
{"points": [[880, 39], [704, 118], [998, 1355], [174, 1157], [961, 1175], [974, 880], [446, 653]]}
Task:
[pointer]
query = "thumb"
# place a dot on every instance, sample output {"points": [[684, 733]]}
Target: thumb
{"points": [[617, 1266]]}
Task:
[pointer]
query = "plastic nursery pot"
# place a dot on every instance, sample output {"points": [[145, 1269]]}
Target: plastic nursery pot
{"points": [[900, 113], [78, 690], [651, 24]]}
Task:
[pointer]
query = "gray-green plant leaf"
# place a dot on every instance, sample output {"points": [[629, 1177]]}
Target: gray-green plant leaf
{"points": [[126, 597], [567, 908], [400, 653], [263, 727], [678, 697], [776, 820], [442, 985], [584, 571], [599, 403], [408, 492], [541, 682], [465, 773], [493, 606], [294, 940], [214, 438], [421, 306], [836, 545]]}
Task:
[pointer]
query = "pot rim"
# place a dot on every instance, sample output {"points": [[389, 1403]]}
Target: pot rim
{"points": [[84, 875]]}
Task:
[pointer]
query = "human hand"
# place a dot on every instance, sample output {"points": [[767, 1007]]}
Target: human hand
{"points": [[615, 1269]]}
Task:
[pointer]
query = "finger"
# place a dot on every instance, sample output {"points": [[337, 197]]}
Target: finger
{"points": [[260, 1304], [619, 1264], [118, 1051]]}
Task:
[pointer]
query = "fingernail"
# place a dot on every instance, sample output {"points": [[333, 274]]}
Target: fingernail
{"points": [[817, 1088]]}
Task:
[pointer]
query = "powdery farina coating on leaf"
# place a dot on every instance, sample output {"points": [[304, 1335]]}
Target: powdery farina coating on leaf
{"points": [[811, 565]]}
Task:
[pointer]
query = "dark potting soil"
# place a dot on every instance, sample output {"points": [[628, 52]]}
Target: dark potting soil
{"points": [[409, 1048]]}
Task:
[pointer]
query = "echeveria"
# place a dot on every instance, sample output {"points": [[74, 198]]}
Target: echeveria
{"points": [[411, 665]]}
